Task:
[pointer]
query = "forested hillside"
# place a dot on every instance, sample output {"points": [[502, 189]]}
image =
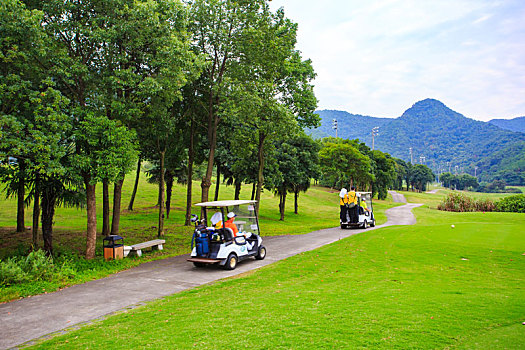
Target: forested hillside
{"points": [[516, 124], [350, 126], [441, 138]]}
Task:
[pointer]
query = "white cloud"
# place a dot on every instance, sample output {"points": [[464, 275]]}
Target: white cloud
{"points": [[378, 58]]}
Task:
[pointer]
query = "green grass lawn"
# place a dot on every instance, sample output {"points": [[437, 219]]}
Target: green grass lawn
{"points": [[422, 286], [318, 209]]}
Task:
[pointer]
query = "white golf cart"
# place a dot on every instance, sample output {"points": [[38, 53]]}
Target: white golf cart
{"points": [[364, 217], [213, 243]]}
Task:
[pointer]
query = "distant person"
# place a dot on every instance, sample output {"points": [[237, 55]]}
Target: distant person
{"points": [[343, 203], [352, 206], [363, 207]]}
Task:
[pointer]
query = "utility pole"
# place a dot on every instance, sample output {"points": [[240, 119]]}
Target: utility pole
{"points": [[448, 163], [456, 169], [375, 132], [411, 160], [334, 126], [476, 172]]}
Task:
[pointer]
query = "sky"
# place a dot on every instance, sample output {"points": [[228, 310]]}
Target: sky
{"points": [[379, 57]]}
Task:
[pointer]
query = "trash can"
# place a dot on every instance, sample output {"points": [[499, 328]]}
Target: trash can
{"points": [[113, 247]]}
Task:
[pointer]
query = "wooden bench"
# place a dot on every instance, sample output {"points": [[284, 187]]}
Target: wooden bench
{"points": [[154, 244]]}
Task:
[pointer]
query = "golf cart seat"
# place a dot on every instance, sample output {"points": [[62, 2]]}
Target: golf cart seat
{"points": [[228, 233]]}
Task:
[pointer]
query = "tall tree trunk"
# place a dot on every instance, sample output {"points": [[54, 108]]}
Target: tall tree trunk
{"points": [[191, 155], [105, 208], [48, 212], [158, 199], [218, 181], [36, 211], [161, 195], [282, 204], [117, 201], [91, 210], [237, 189], [135, 187], [253, 191], [296, 206], [260, 176], [21, 193], [169, 188]]}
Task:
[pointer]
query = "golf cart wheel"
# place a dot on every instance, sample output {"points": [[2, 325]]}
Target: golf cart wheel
{"points": [[198, 264], [261, 254], [365, 225], [343, 226], [231, 262], [373, 223]]}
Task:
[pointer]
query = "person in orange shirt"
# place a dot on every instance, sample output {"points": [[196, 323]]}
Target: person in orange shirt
{"points": [[229, 223]]}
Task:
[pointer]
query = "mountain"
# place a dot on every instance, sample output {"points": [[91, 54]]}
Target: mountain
{"points": [[446, 139], [516, 124]]}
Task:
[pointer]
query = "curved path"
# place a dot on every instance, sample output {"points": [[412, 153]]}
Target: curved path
{"points": [[30, 318]]}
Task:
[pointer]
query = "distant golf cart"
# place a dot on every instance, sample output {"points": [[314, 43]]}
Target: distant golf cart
{"points": [[212, 245], [365, 217]]}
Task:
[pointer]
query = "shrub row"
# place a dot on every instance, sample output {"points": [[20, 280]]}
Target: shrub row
{"points": [[514, 204], [459, 202]]}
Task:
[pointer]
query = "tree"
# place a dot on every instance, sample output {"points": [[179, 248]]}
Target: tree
{"points": [[465, 181], [288, 173], [104, 151], [35, 122], [45, 143], [272, 94], [342, 164], [218, 27], [147, 76], [421, 176], [20, 42], [401, 171], [384, 170], [296, 163], [447, 179], [175, 169], [308, 159]]}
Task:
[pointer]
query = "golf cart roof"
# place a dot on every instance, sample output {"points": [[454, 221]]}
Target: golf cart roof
{"points": [[225, 203], [364, 192]]}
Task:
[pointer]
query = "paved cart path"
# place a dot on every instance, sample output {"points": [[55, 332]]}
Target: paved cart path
{"points": [[31, 318]]}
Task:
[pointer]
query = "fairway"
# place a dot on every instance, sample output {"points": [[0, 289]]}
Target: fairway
{"points": [[422, 286]]}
